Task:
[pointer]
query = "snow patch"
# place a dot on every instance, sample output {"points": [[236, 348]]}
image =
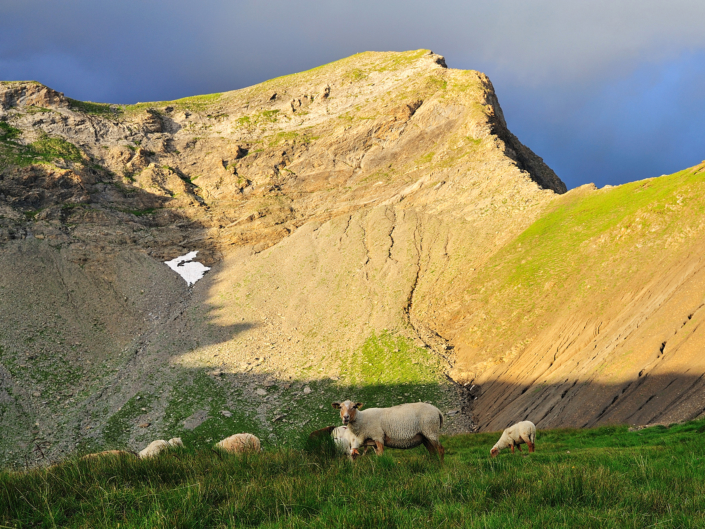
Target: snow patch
{"points": [[187, 268]]}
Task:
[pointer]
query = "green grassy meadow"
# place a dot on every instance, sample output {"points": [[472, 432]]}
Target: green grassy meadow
{"points": [[606, 477]]}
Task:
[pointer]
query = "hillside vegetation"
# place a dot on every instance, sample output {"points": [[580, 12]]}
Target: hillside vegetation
{"points": [[374, 231], [605, 477], [602, 298]]}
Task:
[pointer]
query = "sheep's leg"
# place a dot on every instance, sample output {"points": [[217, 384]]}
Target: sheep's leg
{"points": [[519, 447], [379, 448], [429, 445], [512, 448], [528, 442], [441, 450], [434, 447]]}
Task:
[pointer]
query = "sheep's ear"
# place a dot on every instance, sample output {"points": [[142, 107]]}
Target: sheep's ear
{"points": [[358, 405], [336, 405]]}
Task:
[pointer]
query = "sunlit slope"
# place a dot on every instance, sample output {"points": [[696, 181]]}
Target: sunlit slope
{"points": [[592, 315], [339, 209]]}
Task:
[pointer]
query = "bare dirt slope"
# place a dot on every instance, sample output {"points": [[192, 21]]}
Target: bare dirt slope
{"points": [[372, 227], [592, 316]]}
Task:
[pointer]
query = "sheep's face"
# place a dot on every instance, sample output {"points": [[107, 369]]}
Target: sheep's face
{"points": [[494, 452], [348, 410]]}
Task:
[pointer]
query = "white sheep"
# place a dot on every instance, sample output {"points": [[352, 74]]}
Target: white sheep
{"points": [[239, 443], [344, 439], [154, 449], [521, 432], [157, 447], [176, 442], [109, 453], [403, 426]]}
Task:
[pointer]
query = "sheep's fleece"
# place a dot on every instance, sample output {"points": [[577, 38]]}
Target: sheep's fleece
{"points": [[521, 432], [157, 447], [403, 426], [240, 442]]}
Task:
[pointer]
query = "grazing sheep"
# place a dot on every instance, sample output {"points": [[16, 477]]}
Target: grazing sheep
{"points": [[403, 426], [239, 443], [521, 432]]}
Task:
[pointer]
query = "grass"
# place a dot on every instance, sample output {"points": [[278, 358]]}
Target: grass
{"points": [[607, 477], [589, 241], [44, 150], [95, 109]]}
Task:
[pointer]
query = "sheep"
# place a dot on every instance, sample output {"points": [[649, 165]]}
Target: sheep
{"points": [[154, 448], [157, 447], [344, 439], [176, 442], [403, 426], [341, 436], [109, 453], [521, 432], [240, 442]]}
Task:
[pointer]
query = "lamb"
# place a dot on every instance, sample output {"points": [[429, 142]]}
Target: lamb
{"points": [[403, 426], [157, 447], [521, 432], [239, 443]]}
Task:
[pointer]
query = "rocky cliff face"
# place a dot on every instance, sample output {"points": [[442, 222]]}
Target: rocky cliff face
{"points": [[361, 220]]}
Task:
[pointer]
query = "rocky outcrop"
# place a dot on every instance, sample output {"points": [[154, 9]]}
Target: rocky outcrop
{"points": [[355, 211], [29, 94]]}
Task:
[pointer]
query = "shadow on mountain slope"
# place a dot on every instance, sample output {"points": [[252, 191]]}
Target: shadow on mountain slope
{"points": [[656, 399]]}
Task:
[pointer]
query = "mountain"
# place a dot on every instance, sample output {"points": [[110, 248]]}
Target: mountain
{"points": [[373, 230]]}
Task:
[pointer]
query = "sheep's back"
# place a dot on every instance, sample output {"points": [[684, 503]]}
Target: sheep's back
{"points": [[525, 428], [154, 449], [403, 422]]}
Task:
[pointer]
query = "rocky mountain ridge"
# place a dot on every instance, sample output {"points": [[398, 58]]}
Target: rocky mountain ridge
{"points": [[361, 220]]}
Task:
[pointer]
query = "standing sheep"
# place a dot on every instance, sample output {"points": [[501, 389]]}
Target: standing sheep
{"points": [[402, 426], [521, 432]]}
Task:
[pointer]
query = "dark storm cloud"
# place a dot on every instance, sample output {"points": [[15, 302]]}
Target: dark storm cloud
{"points": [[605, 91]]}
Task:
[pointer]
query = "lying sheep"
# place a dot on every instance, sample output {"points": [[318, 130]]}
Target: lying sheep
{"points": [[341, 436], [344, 440], [521, 432], [402, 426], [109, 453], [239, 443], [176, 441], [157, 447]]}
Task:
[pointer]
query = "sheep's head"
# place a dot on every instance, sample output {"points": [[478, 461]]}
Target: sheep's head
{"points": [[494, 452], [348, 410]]}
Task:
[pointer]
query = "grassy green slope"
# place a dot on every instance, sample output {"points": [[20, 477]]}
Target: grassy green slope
{"points": [[606, 477], [579, 256]]}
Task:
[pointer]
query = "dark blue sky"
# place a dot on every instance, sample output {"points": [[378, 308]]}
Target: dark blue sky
{"points": [[605, 91]]}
